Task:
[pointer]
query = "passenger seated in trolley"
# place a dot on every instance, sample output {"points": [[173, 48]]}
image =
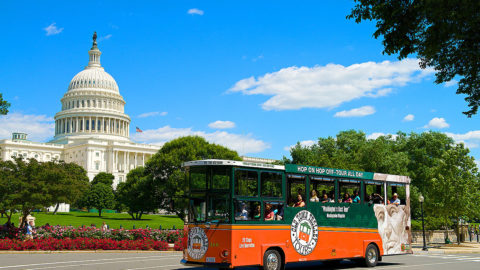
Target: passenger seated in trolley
{"points": [[346, 198], [395, 200], [377, 199], [257, 212], [313, 196], [269, 214], [300, 202], [356, 197], [243, 213]]}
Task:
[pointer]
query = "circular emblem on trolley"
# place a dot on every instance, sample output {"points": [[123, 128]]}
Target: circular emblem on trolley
{"points": [[197, 243], [304, 232]]}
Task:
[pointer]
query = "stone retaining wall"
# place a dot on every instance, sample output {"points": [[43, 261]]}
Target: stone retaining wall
{"points": [[438, 236]]}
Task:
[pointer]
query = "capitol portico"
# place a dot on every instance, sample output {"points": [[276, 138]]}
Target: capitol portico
{"points": [[91, 129]]}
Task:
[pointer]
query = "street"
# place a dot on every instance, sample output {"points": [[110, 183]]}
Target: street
{"points": [[170, 260]]}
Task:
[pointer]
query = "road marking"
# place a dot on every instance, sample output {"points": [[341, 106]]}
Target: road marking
{"points": [[87, 264], [416, 265], [98, 260], [150, 267]]}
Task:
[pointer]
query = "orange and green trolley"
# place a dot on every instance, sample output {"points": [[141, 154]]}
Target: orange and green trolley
{"points": [[255, 214]]}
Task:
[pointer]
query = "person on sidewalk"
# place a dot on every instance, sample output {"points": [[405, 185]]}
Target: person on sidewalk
{"points": [[30, 230], [104, 227]]}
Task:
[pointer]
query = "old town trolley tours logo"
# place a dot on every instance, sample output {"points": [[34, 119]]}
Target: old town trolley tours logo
{"points": [[304, 232], [197, 243]]}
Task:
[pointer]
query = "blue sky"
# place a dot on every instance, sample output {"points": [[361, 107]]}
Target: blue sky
{"points": [[254, 76]]}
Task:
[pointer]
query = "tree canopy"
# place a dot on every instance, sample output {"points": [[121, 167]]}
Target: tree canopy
{"points": [[99, 196], [3, 105], [440, 169], [26, 185], [137, 193], [165, 168], [104, 178], [70, 181], [443, 34]]}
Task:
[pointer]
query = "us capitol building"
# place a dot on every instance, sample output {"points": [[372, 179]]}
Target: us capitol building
{"points": [[91, 130]]}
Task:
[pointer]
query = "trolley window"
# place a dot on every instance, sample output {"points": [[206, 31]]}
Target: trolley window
{"points": [[349, 191], [246, 183], [374, 192], [296, 190], [271, 184], [322, 189]]}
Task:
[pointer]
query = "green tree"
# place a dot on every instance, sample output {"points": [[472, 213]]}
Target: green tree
{"points": [[104, 178], [137, 193], [70, 179], [455, 188], [165, 169], [443, 34], [3, 105], [32, 188], [353, 151], [7, 189], [99, 196]]}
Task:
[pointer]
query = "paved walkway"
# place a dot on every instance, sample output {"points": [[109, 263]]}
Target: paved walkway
{"points": [[467, 247]]}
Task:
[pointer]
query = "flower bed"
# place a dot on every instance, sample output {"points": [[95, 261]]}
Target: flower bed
{"points": [[82, 244], [69, 238]]}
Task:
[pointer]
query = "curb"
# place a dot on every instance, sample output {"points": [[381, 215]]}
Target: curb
{"points": [[85, 251], [436, 251]]}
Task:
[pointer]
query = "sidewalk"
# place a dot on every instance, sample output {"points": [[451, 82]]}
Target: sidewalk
{"points": [[466, 247]]}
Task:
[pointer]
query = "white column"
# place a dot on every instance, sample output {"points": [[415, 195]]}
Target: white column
{"points": [[128, 162], [135, 165], [143, 160], [77, 127], [124, 160], [116, 160]]}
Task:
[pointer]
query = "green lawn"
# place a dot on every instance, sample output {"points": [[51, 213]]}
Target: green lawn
{"points": [[113, 220]]}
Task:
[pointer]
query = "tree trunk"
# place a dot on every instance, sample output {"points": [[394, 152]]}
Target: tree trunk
{"points": [[141, 213], [99, 212], [458, 231], [56, 208], [131, 214]]}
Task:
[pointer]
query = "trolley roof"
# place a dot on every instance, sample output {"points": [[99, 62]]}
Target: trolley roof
{"points": [[304, 169]]}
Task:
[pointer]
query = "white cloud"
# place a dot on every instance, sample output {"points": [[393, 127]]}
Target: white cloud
{"points": [[107, 37], [451, 83], [38, 127], [357, 112], [408, 118], [329, 86], [243, 144], [471, 139], [150, 114], [437, 123], [195, 11], [375, 135], [52, 29], [221, 124], [305, 143]]}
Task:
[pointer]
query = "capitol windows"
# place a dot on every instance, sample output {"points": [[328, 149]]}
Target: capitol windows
{"points": [[97, 154], [87, 125], [14, 154], [83, 103], [78, 103], [97, 166], [88, 103]]}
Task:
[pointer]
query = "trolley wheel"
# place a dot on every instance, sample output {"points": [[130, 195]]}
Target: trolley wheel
{"points": [[371, 256], [272, 260]]}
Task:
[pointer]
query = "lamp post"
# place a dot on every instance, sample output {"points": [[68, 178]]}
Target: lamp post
{"points": [[421, 199]]}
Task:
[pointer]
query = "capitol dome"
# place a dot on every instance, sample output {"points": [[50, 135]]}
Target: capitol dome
{"points": [[93, 78], [92, 105]]}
